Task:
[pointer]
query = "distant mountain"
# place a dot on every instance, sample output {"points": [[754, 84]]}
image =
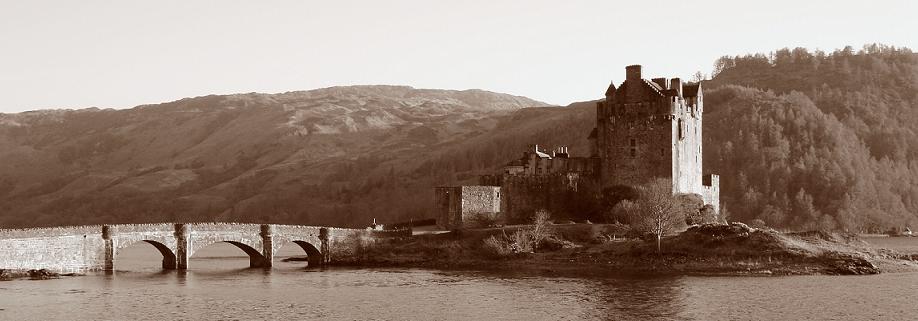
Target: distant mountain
{"points": [[303, 157]]}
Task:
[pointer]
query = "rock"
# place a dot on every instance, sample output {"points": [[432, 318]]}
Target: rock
{"points": [[42, 275], [848, 264], [296, 259]]}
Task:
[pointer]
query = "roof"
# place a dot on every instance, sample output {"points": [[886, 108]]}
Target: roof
{"points": [[542, 155], [691, 89], [611, 90]]}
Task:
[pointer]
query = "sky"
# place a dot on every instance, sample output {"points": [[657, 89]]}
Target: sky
{"points": [[120, 54]]}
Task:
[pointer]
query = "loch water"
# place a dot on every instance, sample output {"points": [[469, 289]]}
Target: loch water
{"points": [[219, 286]]}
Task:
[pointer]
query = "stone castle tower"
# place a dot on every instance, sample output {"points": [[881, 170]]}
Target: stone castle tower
{"points": [[645, 129], [648, 129]]}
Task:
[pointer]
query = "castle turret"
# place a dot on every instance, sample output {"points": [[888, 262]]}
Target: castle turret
{"points": [[644, 132]]}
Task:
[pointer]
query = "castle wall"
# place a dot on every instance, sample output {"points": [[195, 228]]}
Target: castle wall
{"points": [[711, 191], [462, 206], [634, 143], [448, 206], [563, 195], [687, 154]]}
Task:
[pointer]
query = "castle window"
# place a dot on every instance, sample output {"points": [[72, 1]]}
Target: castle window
{"points": [[633, 147], [681, 130], [662, 152]]}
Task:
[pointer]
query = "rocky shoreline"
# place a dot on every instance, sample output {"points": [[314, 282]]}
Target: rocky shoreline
{"points": [[39, 274], [721, 250]]}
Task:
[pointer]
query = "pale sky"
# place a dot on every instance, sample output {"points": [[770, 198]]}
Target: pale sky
{"points": [[119, 53]]}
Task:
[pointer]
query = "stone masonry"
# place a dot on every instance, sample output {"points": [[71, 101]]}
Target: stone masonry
{"points": [[464, 206], [89, 248]]}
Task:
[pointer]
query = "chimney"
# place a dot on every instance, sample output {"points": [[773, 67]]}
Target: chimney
{"points": [[676, 84], [633, 73]]}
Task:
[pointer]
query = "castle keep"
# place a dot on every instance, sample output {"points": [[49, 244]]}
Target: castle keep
{"points": [[645, 129]]}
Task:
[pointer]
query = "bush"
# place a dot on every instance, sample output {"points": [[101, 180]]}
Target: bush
{"points": [[691, 205], [496, 247], [522, 240]]}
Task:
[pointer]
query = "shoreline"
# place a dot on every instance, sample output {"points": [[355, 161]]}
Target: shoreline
{"points": [[706, 250], [586, 250]]}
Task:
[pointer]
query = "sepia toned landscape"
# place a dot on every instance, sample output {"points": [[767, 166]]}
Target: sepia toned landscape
{"points": [[767, 182]]}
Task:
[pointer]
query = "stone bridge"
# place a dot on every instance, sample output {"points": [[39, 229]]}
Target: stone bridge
{"points": [[96, 247]]}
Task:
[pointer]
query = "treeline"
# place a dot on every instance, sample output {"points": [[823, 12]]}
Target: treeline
{"points": [[807, 140], [802, 140]]}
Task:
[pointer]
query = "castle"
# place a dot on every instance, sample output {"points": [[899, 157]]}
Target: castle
{"points": [[645, 129]]}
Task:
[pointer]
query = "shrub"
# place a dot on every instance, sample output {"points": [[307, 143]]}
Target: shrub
{"points": [[495, 247], [691, 206], [523, 240]]}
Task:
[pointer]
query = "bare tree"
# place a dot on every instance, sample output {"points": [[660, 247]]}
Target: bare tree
{"points": [[656, 211]]}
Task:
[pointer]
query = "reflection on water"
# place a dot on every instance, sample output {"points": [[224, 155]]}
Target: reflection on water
{"points": [[220, 286]]}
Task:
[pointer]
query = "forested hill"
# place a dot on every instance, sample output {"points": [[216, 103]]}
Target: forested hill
{"points": [[816, 140], [801, 140]]}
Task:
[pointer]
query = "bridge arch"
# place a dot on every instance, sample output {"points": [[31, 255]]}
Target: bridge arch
{"points": [[314, 256], [168, 253], [169, 258], [256, 258]]}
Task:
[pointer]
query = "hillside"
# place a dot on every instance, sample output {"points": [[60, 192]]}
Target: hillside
{"points": [[314, 157], [809, 140], [801, 139]]}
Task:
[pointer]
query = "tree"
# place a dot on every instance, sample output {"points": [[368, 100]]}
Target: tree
{"points": [[698, 76], [614, 195], [656, 211], [690, 205]]}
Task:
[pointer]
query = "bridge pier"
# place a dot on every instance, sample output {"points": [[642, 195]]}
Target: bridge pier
{"points": [[109, 264], [323, 248], [267, 240], [181, 248]]}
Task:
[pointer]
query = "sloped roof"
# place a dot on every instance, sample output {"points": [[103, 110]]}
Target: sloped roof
{"points": [[610, 90], [690, 89], [542, 155]]}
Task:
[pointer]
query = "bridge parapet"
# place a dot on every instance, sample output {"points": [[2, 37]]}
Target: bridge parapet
{"points": [[95, 247], [49, 231]]}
